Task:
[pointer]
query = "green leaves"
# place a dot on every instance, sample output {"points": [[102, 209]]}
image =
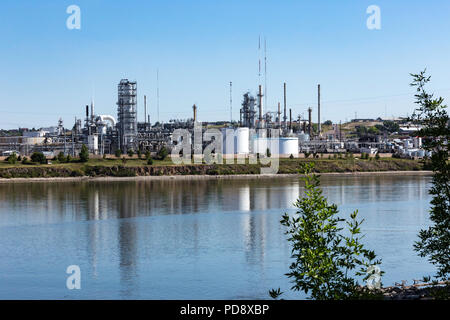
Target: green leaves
{"points": [[326, 261], [432, 116]]}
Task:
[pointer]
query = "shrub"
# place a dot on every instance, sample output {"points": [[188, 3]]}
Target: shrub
{"points": [[162, 153], [306, 155], [61, 157], [12, 159], [326, 259], [149, 161], [118, 153], [68, 158], [377, 156], [84, 154], [268, 154], [38, 157], [147, 155], [130, 153], [291, 156]]}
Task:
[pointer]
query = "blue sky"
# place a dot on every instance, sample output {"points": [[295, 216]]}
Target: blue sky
{"points": [[49, 71]]}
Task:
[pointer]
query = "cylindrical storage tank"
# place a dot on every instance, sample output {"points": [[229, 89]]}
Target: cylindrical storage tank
{"points": [[260, 145], [288, 146], [227, 140], [242, 140]]}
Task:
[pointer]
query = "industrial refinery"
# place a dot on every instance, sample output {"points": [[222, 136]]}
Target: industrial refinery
{"points": [[258, 131]]}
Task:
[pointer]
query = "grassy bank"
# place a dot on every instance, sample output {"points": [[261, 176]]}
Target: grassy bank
{"points": [[137, 167]]}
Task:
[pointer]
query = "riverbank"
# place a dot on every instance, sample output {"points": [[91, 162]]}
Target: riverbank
{"points": [[138, 169], [210, 177]]}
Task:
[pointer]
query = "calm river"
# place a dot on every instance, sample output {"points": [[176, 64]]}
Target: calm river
{"points": [[188, 239]]}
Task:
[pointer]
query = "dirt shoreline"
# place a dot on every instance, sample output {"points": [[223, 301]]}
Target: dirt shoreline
{"points": [[208, 177]]}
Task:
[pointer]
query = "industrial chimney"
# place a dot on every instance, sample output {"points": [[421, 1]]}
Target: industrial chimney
{"points": [[279, 115], [318, 107], [290, 119], [194, 107], [310, 122], [260, 95], [145, 108], [285, 116]]}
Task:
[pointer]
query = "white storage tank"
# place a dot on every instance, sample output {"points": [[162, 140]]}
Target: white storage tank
{"points": [[288, 146], [242, 140]]}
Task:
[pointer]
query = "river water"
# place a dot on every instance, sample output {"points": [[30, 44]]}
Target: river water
{"points": [[176, 239]]}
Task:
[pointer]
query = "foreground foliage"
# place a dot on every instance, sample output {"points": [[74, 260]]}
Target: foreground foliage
{"points": [[434, 242], [328, 258]]}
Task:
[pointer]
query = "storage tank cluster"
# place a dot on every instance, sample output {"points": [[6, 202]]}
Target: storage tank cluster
{"points": [[238, 141]]}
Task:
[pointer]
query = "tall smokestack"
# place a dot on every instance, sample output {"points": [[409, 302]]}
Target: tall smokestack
{"points": [[87, 112], [92, 110], [145, 108], [285, 116], [290, 119], [318, 113], [310, 122], [260, 106], [279, 115], [194, 107]]}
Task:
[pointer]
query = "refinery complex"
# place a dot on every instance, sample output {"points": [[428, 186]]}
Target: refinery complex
{"points": [[256, 131]]}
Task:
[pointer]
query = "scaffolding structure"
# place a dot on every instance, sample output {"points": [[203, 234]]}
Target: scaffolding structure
{"points": [[127, 115]]}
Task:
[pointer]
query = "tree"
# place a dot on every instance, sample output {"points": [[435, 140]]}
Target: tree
{"points": [[434, 242], [326, 261], [328, 123], [162, 153], [84, 154], [12, 159], [139, 153], [38, 157], [147, 155], [268, 154], [61, 157]]}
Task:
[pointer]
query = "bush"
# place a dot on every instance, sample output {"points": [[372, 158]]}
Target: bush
{"points": [[38, 157], [147, 155], [162, 153], [26, 161], [268, 154], [377, 156], [130, 153], [291, 156], [61, 157], [306, 155], [69, 158], [149, 161], [84, 153], [118, 153], [327, 256], [12, 159]]}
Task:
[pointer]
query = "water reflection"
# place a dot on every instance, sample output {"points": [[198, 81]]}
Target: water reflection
{"points": [[198, 239]]}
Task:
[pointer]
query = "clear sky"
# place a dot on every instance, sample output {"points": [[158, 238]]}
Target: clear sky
{"points": [[199, 46]]}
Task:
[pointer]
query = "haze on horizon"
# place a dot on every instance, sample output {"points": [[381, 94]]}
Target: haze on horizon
{"points": [[49, 71]]}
